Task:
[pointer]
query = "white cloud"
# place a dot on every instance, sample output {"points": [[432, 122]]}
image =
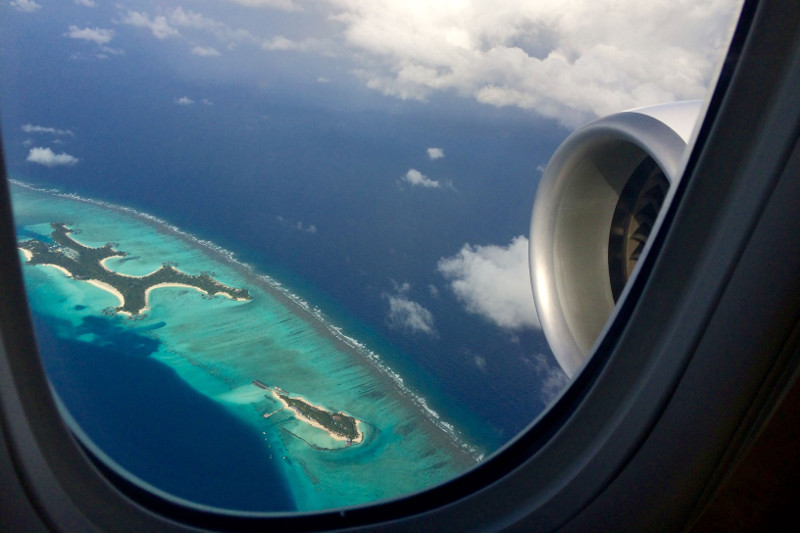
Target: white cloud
{"points": [[284, 5], [158, 25], [87, 3], [96, 35], [281, 43], [30, 128], [46, 157], [435, 153], [493, 282], [27, 6], [410, 316], [205, 51], [406, 314], [415, 177], [553, 380], [206, 101], [569, 62], [323, 79], [311, 228], [184, 18], [184, 100]]}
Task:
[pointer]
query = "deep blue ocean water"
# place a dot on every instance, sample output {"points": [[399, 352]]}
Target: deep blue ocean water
{"points": [[156, 425]]}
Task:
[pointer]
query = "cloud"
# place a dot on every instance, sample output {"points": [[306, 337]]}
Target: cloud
{"points": [[184, 100], [435, 153], [30, 128], [184, 18], [311, 228], [87, 3], [205, 51], [408, 315], [553, 380], [27, 6], [284, 5], [417, 178], [158, 25], [281, 43], [96, 35], [299, 225], [572, 64], [493, 282], [46, 157]]}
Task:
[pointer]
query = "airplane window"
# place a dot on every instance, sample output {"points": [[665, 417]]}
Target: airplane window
{"points": [[276, 252]]}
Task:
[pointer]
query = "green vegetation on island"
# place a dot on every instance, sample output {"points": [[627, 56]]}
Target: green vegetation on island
{"points": [[85, 263], [337, 423]]}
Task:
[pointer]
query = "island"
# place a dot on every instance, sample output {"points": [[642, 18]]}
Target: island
{"points": [[338, 425], [88, 264]]}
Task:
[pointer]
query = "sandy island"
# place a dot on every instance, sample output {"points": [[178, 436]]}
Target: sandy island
{"points": [[314, 423], [27, 253]]}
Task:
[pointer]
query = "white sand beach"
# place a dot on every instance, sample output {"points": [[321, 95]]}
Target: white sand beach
{"points": [[314, 423]]}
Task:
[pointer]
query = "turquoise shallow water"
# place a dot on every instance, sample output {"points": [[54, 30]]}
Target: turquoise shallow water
{"points": [[219, 346]]}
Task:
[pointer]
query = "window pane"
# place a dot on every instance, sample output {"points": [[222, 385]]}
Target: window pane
{"points": [[277, 253]]}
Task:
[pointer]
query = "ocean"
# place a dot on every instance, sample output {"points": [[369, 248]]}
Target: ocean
{"points": [[294, 190]]}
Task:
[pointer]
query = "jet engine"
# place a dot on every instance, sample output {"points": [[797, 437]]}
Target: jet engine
{"points": [[595, 207]]}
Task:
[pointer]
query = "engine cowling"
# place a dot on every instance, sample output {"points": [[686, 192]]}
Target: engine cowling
{"points": [[595, 206]]}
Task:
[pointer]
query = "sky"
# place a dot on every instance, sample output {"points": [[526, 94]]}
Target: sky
{"points": [[452, 78]]}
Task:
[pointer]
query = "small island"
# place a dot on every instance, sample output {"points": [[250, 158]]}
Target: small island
{"points": [[337, 424], [88, 264]]}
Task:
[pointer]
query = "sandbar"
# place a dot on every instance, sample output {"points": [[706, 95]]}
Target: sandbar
{"points": [[27, 253]]}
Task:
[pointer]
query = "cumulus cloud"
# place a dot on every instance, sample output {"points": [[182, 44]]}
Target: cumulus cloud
{"points": [[435, 153], [205, 51], [492, 281], [417, 178], [184, 100], [27, 6], [553, 380], [46, 157], [158, 25], [571, 63], [406, 314], [31, 128], [96, 35]]}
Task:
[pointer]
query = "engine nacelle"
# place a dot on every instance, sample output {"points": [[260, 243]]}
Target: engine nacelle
{"points": [[595, 206]]}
